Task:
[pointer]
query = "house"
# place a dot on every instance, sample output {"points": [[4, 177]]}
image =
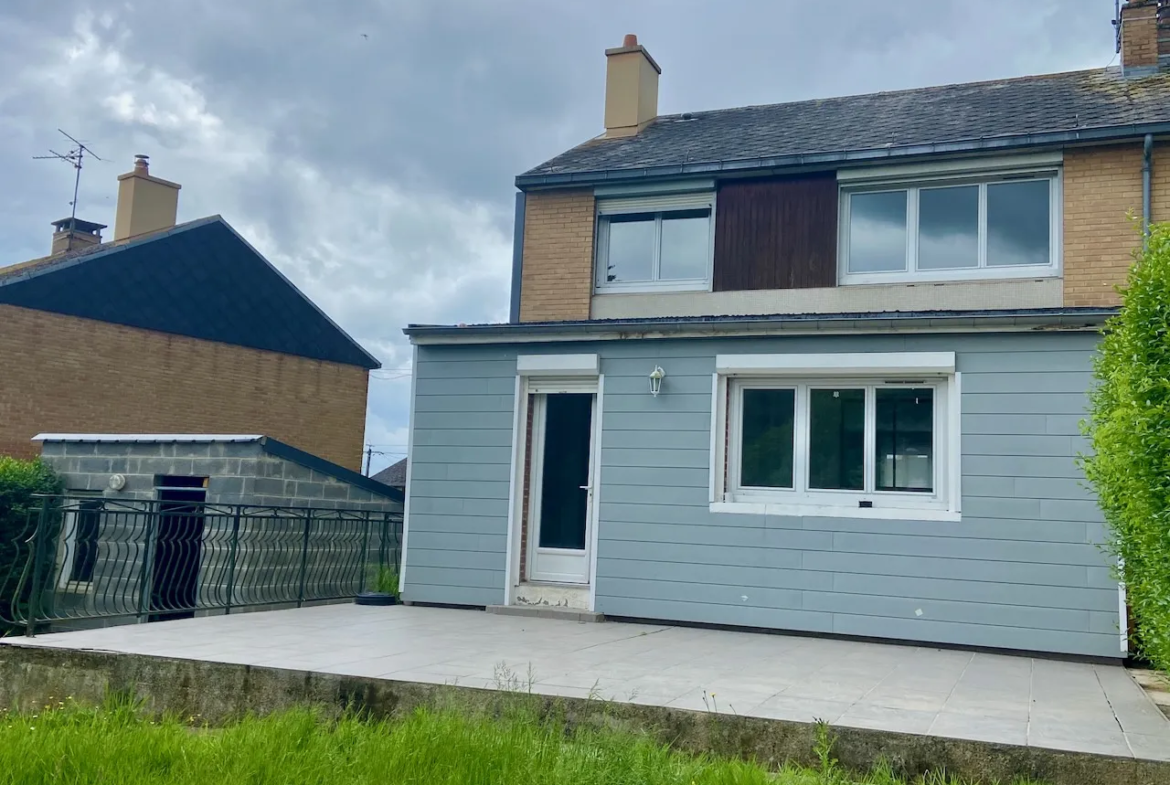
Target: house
{"points": [[814, 367], [174, 329], [393, 475]]}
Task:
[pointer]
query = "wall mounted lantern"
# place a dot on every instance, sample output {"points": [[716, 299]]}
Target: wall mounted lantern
{"points": [[656, 377]]}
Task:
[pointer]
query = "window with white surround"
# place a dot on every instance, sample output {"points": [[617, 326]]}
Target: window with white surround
{"points": [[951, 227], [858, 435], [655, 243]]}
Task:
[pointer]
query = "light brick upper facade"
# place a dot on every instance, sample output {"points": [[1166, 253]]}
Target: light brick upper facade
{"points": [[69, 375], [558, 256], [1102, 217]]}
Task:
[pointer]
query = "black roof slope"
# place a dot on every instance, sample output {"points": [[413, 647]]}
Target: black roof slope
{"points": [[200, 279], [1004, 110]]}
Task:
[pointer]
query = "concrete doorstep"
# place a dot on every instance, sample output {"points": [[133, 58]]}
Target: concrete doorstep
{"points": [[220, 692], [546, 612]]}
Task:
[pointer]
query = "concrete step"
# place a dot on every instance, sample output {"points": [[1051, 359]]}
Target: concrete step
{"points": [[547, 612]]}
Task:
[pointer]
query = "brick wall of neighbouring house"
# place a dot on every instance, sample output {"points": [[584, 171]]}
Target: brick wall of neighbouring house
{"points": [[67, 375], [1102, 185], [557, 277]]}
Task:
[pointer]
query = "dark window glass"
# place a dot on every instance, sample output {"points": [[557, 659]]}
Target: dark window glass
{"points": [[766, 450], [1018, 224], [836, 450], [948, 228], [905, 439], [87, 520], [564, 501]]}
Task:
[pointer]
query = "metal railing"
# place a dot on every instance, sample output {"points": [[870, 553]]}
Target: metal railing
{"points": [[86, 557]]}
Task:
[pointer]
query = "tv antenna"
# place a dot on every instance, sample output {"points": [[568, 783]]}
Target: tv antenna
{"points": [[74, 158]]}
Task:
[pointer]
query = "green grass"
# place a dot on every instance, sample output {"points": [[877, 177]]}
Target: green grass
{"points": [[384, 580], [116, 744]]}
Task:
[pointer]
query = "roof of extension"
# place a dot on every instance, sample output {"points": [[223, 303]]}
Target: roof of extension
{"points": [[1033, 110], [199, 279], [1071, 318]]}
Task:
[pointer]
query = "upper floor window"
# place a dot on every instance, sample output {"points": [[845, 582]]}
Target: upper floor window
{"points": [[986, 227], [659, 243]]}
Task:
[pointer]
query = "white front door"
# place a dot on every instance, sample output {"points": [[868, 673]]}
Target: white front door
{"points": [[561, 481]]}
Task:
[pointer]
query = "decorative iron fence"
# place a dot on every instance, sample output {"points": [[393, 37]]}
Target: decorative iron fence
{"points": [[86, 557]]}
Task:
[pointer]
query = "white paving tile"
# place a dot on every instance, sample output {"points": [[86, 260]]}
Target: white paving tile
{"points": [[911, 689]]}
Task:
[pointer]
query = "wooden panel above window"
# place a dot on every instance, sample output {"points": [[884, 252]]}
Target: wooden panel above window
{"points": [[779, 233]]}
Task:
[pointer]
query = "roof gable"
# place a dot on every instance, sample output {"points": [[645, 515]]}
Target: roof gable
{"points": [[200, 279], [916, 121]]}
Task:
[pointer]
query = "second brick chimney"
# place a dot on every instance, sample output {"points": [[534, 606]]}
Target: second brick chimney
{"points": [[145, 203], [1143, 36], [631, 88]]}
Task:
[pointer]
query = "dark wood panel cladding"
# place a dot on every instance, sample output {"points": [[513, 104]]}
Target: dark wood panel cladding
{"points": [[779, 233]]}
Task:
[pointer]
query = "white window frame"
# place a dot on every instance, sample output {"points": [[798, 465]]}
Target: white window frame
{"points": [[656, 205], [804, 373], [913, 188]]}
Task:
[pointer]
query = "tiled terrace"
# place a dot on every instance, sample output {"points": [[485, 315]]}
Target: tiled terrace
{"points": [[983, 697]]}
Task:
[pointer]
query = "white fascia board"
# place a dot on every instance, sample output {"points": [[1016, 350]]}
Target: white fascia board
{"points": [[930, 169], [557, 364], [145, 437], [835, 364]]}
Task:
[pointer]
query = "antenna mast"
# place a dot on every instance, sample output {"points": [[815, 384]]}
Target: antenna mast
{"points": [[74, 158]]}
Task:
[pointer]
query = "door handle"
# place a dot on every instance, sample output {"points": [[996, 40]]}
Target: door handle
{"points": [[586, 487]]}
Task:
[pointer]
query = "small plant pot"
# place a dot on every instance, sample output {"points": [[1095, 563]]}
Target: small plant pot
{"points": [[375, 598]]}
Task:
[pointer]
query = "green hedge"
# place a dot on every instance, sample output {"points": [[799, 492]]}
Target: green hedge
{"points": [[20, 481], [1129, 429]]}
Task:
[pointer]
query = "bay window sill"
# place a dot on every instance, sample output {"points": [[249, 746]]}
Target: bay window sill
{"points": [[837, 511]]}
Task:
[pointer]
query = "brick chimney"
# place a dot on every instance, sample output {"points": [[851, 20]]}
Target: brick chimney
{"points": [[1143, 36], [73, 233], [631, 88], [145, 203]]}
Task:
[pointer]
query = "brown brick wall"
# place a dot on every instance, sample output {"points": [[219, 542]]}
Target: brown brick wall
{"points": [[557, 277], [1102, 186], [68, 375]]}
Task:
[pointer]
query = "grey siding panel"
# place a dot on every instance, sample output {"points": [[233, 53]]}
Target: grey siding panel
{"points": [[1021, 570], [1072, 403], [1019, 466], [458, 541], [485, 561], [460, 475], [465, 437]]}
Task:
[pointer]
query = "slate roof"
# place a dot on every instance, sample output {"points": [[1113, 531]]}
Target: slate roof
{"points": [[198, 279], [1007, 111], [393, 475]]}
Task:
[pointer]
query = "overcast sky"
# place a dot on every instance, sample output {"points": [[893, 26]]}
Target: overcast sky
{"points": [[368, 148]]}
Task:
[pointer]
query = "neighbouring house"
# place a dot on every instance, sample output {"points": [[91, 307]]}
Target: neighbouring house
{"points": [[816, 366], [393, 475], [171, 329]]}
